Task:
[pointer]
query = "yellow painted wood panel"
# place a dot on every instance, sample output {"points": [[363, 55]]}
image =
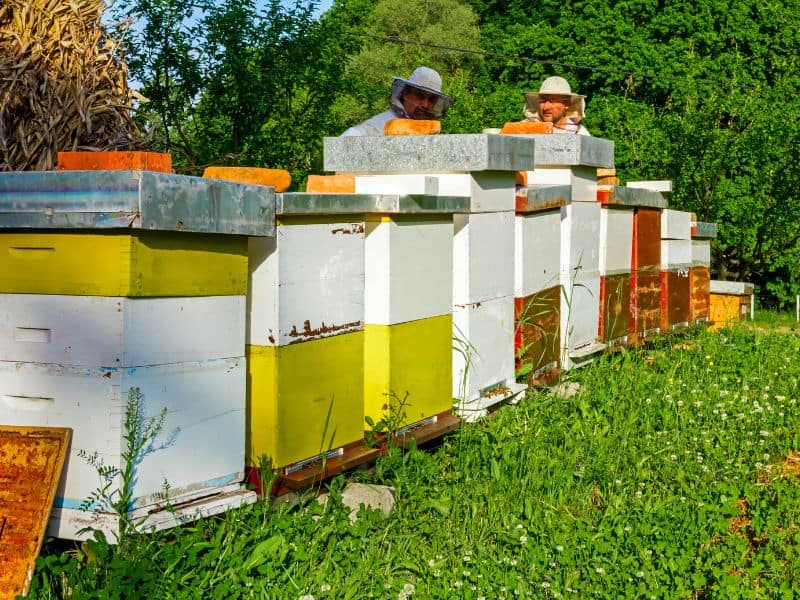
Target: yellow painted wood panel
{"points": [[290, 391], [727, 309], [408, 370], [116, 264], [31, 460]]}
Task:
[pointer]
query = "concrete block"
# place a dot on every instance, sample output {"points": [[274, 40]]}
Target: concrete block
{"points": [[428, 154]]}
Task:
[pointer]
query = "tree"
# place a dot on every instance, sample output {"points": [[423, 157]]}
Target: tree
{"points": [[703, 93], [235, 82], [400, 35]]}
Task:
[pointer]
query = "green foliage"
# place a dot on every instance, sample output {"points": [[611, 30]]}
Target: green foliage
{"points": [[237, 83], [116, 490], [424, 23], [703, 94]]}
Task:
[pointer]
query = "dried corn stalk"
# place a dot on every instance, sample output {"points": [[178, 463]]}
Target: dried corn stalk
{"points": [[62, 84]]}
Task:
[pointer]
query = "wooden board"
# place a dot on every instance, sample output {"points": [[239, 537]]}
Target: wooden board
{"points": [[31, 459]]}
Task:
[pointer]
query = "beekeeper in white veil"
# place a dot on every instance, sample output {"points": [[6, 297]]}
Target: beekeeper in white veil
{"points": [[418, 97], [555, 103]]}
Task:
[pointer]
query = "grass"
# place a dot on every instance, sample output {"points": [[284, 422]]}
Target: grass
{"points": [[672, 473], [776, 320]]}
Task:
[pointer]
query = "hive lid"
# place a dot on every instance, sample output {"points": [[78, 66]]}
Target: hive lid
{"points": [[134, 200], [702, 230], [736, 288], [461, 153], [303, 203], [31, 459], [628, 196], [532, 199]]}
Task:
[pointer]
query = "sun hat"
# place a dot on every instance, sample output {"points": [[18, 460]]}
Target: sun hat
{"points": [[426, 80], [555, 86]]}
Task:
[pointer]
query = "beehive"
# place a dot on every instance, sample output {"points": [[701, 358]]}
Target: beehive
{"points": [[730, 302], [120, 284]]}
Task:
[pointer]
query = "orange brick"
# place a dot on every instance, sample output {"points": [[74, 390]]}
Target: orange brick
{"points": [[114, 160], [277, 178], [526, 127], [331, 184], [412, 127]]}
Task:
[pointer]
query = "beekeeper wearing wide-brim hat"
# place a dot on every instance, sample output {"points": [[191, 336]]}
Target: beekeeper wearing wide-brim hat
{"points": [[423, 81], [418, 97], [555, 102]]}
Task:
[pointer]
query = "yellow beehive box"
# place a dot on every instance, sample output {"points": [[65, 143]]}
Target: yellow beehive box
{"points": [[304, 399], [729, 302], [141, 264], [408, 370]]}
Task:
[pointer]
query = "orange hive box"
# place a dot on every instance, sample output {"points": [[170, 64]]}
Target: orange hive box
{"points": [[31, 459], [526, 127], [331, 184], [114, 160], [277, 178], [412, 127]]}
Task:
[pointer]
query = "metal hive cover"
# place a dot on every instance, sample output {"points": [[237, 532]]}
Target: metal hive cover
{"points": [[31, 459]]}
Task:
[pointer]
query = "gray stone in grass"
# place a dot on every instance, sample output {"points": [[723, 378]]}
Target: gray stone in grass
{"points": [[566, 390], [375, 497]]}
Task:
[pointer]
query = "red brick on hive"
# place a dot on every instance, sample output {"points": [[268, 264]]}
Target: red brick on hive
{"points": [[115, 160], [412, 127], [526, 127]]}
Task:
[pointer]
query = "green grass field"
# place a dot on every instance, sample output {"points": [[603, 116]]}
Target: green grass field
{"points": [[672, 473]]}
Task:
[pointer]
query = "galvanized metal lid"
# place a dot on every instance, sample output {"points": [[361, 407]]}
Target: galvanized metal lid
{"points": [[302, 203], [626, 196], [135, 200], [533, 199], [735, 288], [702, 230], [570, 150], [428, 153]]}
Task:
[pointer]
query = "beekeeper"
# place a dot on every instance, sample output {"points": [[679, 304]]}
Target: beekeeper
{"points": [[555, 103], [418, 97]]}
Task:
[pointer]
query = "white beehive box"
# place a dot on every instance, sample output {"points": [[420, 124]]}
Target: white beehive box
{"points": [[676, 225], [483, 256], [202, 443], [616, 241], [537, 252], [676, 254], [101, 331], [488, 191], [408, 269], [306, 283], [580, 316], [483, 348], [701, 253], [580, 240], [581, 179]]}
